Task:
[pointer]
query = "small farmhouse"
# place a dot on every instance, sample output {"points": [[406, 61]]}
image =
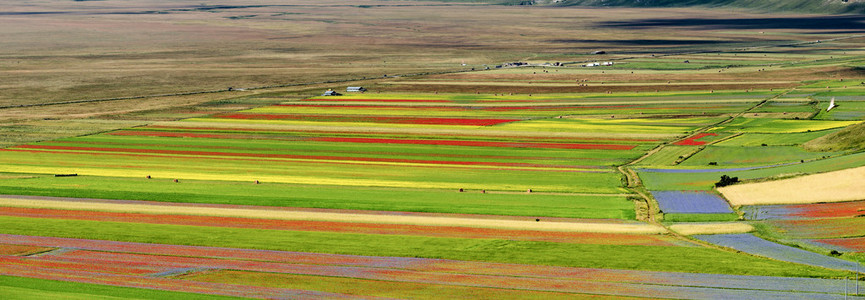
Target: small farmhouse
{"points": [[331, 93], [355, 89]]}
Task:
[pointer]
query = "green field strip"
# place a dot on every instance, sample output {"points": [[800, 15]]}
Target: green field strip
{"points": [[13, 287], [824, 228], [670, 155], [705, 180], [732, 156], [657, 258], [616, 126], [323, 173], [761, 125], [836, 83], [312, 151], [843, 111], [235, 160], [774, 107], [777, 139], [316, 196]]}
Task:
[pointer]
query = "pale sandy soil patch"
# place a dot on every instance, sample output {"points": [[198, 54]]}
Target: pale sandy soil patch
{"points": [[712, 228], [837, 186], [634, 228]]}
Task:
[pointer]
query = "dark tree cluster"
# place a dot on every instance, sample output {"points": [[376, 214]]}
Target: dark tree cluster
{"points": [[726, 180]]}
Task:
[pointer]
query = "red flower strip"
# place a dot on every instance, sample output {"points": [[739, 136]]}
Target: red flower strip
{"points": [[854, 244], [829, 210], [692, 141]]}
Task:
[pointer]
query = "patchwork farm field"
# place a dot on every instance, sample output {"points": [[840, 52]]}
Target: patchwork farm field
{"points": [[829, 228], [493, 162], [376, 180]]}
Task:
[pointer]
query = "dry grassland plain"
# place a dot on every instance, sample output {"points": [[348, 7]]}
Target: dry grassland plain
{"points": [[72, 50]]}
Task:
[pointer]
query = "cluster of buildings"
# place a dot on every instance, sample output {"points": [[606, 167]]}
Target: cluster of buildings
{"points": [[597, 64], [351, 89], [512, 64]]}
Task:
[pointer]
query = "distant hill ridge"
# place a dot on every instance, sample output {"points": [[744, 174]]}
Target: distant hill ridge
{"points": [[803, 6]]}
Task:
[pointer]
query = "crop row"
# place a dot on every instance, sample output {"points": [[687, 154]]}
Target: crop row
{"points": [[334, 226], [331, 173], [82, 265], [319, 244], [375, 119], [822, 227], [704, 178], [749, 243], [856, 244], [817, 210], [315, 196]]}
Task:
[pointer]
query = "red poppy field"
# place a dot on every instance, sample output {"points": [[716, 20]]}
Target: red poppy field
{"points": [[693, 141]]}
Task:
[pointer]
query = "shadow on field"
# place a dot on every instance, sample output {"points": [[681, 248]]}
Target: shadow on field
{"points": [[848, 24]]}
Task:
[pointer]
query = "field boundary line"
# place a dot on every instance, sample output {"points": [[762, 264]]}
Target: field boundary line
{"points": [[595, 227]]}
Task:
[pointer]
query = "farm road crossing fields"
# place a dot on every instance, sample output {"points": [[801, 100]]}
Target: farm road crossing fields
{"points": [[287, 214]]}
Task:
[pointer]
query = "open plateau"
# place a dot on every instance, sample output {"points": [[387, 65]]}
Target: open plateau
{"points": [[380, 149]]}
